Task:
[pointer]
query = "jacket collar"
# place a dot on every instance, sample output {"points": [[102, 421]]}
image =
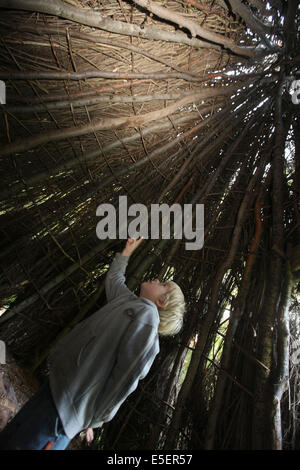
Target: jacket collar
{"points": [[149, 302]]}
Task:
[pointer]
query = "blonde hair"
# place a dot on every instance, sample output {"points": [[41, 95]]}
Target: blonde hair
{"points": [[171, 316]]}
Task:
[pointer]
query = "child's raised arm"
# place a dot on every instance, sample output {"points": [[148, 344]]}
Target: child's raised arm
{"points": [[131, 245], [115, 277]]}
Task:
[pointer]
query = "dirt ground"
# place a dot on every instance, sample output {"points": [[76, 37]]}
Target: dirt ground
{"points": [[16, 387]]}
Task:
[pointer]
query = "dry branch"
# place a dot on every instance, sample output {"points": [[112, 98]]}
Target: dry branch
{"points": [[231, 331], [257, 26], [281, 376], [94, 38], [94, 74], [54, 282], [194, 28], [93, 101], [112, 123], [96, 20], [206, 150]]}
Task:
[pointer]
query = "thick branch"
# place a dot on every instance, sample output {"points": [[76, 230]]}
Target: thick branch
{"points": [[290, 25], [261, 412], [111, 123], [211, 312], [90, 101], [228, 342], [49, 75], [259, 5], [96, 20], [281, 376], [183, 22], [257, 27]]}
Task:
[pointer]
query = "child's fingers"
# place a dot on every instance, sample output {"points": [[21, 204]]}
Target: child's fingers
{"points": [[89, 436], [131, 241]]}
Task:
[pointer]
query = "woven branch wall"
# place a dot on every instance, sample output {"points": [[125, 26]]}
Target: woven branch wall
{"points": [[164, 102]]}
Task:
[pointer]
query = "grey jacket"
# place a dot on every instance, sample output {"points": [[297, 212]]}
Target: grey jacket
{"points": [[99, 363]]}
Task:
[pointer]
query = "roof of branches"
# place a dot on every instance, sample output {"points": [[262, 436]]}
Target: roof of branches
{"points": [[170, 101]]}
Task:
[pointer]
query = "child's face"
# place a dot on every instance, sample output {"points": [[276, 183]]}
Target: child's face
{"points": [[155, 291]]}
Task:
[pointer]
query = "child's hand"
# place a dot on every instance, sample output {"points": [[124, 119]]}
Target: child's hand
{"points": [[89, 435], [131, 245]]}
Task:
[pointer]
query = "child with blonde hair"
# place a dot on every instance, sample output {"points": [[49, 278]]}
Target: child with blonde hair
{"points": [[170, 304], [99, 363]]}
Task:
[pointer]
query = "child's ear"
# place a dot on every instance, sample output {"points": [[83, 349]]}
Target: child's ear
{"points": [[161, 302]]}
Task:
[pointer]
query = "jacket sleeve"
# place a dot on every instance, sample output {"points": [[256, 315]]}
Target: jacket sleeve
{"points": [[136, 354], [115, 278]]}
